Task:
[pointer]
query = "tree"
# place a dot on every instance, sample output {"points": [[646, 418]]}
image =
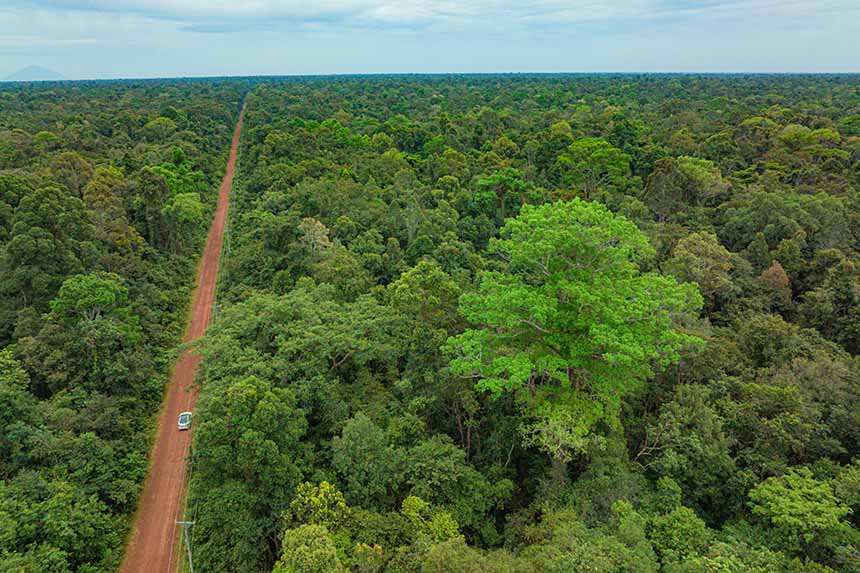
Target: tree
{"points": [[159, 129], [184, 218], [427, 296], [689, 444], [499, 190], [834, 307], [321, 504], [571, 324], [738, 556], [91, 297], [94, 298], [50, 239], [678, 534], [248, 434], [456, 556], [103, 198], [850, 126], [368, 466], [17, 409], [76, 524], [682, 181], [89, 339], [775, 279], [701, 259], [798, 507], [72, 171], [46, 141], [436, 470], [251, 432], [567, 544], [180, 175], [341, 269], [314, 236], [308, 549], [232, 532], [309, 333], [428, 522], [590, 162], [12, 188], [150, 199]]}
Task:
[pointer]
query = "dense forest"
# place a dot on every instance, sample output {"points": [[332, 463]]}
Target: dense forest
{"points": [[106, 191], [603, 323], [537, 324]]}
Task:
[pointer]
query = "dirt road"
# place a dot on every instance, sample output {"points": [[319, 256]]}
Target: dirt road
{"points": [[155, 535]]}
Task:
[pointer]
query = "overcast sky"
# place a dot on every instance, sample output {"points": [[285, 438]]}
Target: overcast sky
{"points": [[151, 38]]}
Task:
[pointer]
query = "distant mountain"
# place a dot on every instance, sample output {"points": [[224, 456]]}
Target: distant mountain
{"points": [[34, 74]]}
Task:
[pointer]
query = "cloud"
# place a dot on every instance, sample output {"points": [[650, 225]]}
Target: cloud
{"points": [[395, 12], [221, 10], [87, 38], [232, 15]]}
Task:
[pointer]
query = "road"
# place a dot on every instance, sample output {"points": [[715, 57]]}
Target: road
{"points": [[155, 536]]}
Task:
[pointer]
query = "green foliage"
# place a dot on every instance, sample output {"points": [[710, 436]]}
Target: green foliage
{"points": [[366, 211], [366, 462], [688, 444], [682, 181], [455, 556], [800, 508], [427, 296], [573, 324], [591, 162], [571, 546], [738, 557], [181, 177], [397, 262], [249, 436], [318, 505], [250, 433], [833, 307], [700, 258], [72, 171], [184, 215], [308, 549], [678, 535], [436, 470], [435, 525], [50, 239], [159, 129], [91, 298], [501, 191], [850, 126]]}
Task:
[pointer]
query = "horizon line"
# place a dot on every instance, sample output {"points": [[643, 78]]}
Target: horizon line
{"points": [[433, 74]]}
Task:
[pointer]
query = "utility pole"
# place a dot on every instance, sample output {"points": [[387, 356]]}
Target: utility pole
{"points": [[186, 525]]}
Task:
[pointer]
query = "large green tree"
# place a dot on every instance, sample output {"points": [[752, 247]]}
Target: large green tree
{"points": [[571, 323]]}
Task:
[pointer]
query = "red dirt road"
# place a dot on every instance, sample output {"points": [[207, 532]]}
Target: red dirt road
{"points": [[153, 547]]}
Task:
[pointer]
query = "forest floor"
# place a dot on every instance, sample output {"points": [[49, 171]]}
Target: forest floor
{"points": [[153, 546]]}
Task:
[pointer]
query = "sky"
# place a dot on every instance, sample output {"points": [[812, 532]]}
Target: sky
{"points": [[83, 39]]}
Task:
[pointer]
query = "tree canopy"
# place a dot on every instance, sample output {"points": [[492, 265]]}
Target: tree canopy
{"points": [[511, 323]]}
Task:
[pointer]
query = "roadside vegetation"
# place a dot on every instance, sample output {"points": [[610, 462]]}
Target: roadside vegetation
{"points": [[106, 191]]}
